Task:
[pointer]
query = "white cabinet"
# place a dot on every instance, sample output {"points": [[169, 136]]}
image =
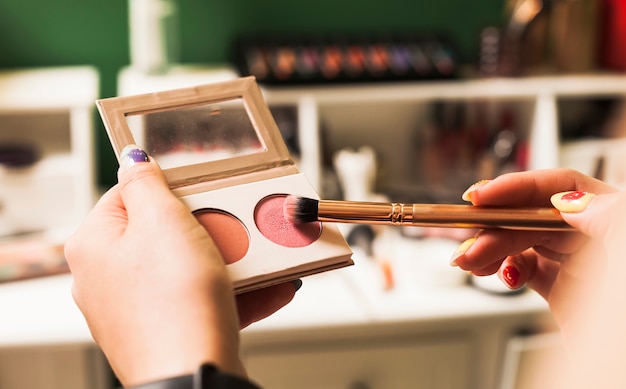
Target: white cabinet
{"points": [[80, 366], [44, 340], [400, 120], [334, 334], [46, 123], [368, 364]]}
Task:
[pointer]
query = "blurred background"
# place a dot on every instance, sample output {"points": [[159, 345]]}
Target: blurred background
{"points": [[555, 36], [40, 33]]}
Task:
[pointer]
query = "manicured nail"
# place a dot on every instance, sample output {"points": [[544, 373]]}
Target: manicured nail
{"points": [[463, 247], [571, 202], [467, 195], [130, 155], [297, 284], [510, 275]]}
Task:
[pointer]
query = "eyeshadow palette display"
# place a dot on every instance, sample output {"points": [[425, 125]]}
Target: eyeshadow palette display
{"points": [[309, 60], [224, 157]]}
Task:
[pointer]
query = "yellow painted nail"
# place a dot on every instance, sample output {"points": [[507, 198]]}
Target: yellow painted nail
{"points": [[462, 249], [572, 201], [467, 195]]}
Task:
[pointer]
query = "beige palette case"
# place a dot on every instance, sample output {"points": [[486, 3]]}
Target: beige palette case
{"points": [[225, 158]]}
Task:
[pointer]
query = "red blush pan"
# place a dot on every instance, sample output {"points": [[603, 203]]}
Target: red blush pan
{"points": [[229, 234], [271, 222]]}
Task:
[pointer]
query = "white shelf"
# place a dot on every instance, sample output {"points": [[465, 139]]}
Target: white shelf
{"points": [[50, 110], [334, 300], [41, 312], [133, 82], [50, 165], [538, 95], [491, 88], [48, 88]]}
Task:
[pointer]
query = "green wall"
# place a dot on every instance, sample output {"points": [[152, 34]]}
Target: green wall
{"points": [[77, 32]]}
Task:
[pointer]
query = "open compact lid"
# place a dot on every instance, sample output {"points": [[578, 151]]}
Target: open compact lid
{"points": [[203, 137]]}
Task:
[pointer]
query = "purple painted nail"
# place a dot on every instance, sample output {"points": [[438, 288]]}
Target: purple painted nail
{"points": [[132, 154]]}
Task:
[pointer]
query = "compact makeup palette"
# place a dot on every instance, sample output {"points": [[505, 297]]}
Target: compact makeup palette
{"points": [[224, 157]]}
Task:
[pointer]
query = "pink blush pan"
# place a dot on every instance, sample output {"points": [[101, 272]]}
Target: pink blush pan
{"points": [[229, 234], [271, 222]]}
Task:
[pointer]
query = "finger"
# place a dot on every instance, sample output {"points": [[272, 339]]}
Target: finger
{"points": [[514, 272], [532, 188], [488, 270], [601, 218], [553, 255], [529, 268], [259, 304], [490, 246], [594, 215], [144, 188], [543, 277]]}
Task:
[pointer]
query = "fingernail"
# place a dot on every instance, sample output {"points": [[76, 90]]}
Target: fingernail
{"points": [[571, 202], [132, 154], [297, 284], [463, 247], [510, 275], [467, 195]]}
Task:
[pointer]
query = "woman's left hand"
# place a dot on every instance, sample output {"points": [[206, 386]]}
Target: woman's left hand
{"points": [[152, 285]]}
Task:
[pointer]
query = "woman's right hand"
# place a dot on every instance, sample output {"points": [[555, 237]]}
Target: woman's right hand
{"points": [[580, 274], [564, 267]]}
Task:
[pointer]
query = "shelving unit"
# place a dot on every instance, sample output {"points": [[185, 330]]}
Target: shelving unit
{"points": [[404, 110], [49, 111], [44, 340], [389, 115]]}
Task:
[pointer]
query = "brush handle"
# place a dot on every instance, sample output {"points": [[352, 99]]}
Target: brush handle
{"points": [[441, 215]]}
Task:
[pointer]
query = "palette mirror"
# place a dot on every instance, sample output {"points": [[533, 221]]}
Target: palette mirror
{"points": [[199, 134]]}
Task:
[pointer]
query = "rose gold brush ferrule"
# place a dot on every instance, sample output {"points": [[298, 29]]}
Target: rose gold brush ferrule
{"points": [[441, 215]]}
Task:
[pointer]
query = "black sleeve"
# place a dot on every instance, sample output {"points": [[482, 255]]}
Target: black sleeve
{"points": [[207, 377]]}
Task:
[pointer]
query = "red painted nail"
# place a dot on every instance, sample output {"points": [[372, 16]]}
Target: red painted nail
{"points": [[510, 275], [571, 196]]}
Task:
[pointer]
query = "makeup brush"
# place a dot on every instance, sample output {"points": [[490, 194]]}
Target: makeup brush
{"points": [[306, 210]]}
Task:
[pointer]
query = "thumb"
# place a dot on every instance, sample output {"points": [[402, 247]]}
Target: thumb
{"points": [[142, 182], [593, 215]]}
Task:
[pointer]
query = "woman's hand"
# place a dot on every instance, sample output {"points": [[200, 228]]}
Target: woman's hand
{"points": [[153, 286], [580, 274], [561, 266]]}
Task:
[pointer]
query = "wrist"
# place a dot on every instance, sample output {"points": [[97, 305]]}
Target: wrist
{"points": [[207, 376], [146, 360]]}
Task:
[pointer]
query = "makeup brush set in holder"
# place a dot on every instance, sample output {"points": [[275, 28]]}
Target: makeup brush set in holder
{"points": [[317, 60]]}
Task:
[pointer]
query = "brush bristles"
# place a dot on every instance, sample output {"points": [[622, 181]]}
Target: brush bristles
{"points": [[300, 209]]}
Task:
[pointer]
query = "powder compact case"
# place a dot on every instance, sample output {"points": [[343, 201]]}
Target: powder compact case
{"points": [[224, 157]]}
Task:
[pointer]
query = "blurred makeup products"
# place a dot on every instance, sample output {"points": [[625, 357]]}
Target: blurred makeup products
{"points": [[332, 59], [223, 155]]}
